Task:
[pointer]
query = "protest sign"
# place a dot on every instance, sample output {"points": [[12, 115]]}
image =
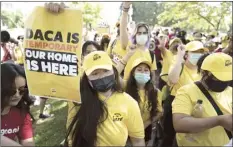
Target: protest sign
{"points": [[53, 52], [103, 30]]}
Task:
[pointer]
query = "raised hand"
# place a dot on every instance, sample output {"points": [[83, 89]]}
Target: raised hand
{"points": [[55, 7]]}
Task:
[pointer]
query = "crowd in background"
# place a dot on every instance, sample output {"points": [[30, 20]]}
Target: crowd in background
{"points": [[145, 87]]}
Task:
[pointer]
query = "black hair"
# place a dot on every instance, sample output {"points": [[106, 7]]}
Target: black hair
{"points": [[200, 61], [103, 41], [5, 36], [12, 40], [150, 92], [9, 71], [95, 36], [87, 43], [92, 112]]}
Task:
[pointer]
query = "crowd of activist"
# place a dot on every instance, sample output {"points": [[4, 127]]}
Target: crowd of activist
{"points": [[138, 87]]}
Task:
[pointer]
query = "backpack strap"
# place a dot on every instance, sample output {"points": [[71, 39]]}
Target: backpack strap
{"points": [[213, 103]]}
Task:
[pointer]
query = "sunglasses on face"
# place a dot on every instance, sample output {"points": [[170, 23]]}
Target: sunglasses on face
{"points": [[21, 91]]}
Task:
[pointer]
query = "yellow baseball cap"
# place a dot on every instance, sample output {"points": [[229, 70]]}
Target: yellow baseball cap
{"points": [[135, 63], [175, 40], [195, 46], [141, 60], [96, 60], [220, 65]]}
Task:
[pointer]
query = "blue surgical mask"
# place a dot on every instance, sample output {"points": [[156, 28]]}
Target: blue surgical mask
{"points": [[194, 57], [142, 78]]}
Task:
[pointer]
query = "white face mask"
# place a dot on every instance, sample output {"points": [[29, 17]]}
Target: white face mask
{"points": [[141, 39], [194, 57]]}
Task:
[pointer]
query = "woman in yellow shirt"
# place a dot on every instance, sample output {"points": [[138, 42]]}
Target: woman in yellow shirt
{"points": [[87, 48], [140, 87], [107, 115], [140, 39]]}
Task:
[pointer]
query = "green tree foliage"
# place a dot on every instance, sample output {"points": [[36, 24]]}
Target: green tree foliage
{"points": [[91, 12], [12, 19], [147, 12], [198, 16]]}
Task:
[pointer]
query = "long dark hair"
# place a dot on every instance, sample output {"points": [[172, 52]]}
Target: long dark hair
{"points": [[9, 71], [103, 41], [87, 43], [150, 92], [93, 112]]}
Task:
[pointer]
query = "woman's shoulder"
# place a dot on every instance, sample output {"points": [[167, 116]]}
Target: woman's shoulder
{"points": [[125, 97]]}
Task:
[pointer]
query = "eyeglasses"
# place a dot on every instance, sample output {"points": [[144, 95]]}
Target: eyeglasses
{"points": [[21, 91]]}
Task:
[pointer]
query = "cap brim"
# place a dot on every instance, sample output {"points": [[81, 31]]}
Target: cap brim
{"points": [[223, 76], [142, 62], [89, 71], [205, 49]]}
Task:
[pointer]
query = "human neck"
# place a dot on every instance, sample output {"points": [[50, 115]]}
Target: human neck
{"points": [[142, 47], [107, 94], [141, 86], [190, 66], [6, 110]]}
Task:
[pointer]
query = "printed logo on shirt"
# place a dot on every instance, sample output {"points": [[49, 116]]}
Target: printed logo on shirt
{"points": [[9, 131], [228, 63], [96, 57], [117, 117]]}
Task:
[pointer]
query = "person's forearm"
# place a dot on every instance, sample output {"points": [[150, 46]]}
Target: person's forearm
{"points": [[137, 142], [174, 74], [195, 125], [123, 30], [121, 65]]}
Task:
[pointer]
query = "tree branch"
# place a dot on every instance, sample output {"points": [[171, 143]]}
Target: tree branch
{"points": [[206, 19], [219, 21]]}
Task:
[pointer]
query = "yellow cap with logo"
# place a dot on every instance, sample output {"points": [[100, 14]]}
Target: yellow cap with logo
{"points": [[96, 60], [220, 65], [195, 46]]}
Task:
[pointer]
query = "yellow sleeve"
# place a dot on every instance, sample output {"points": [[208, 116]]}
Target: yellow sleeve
{"points": [[154, 65], [159, 98], [182, 102], [134, 122]]}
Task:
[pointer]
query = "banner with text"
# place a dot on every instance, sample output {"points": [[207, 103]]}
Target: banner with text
{"points": [[52, 53]]}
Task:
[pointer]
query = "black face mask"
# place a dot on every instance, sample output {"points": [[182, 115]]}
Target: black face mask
{"points": [[216, 86], [104, 84]]}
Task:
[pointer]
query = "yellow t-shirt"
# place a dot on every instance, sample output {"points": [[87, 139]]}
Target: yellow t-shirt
{"points": [[117, 52], [187, 76], [19, 55], [184, 102], [138, 53], [145, 112], [168, 59], [124, 119]]}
